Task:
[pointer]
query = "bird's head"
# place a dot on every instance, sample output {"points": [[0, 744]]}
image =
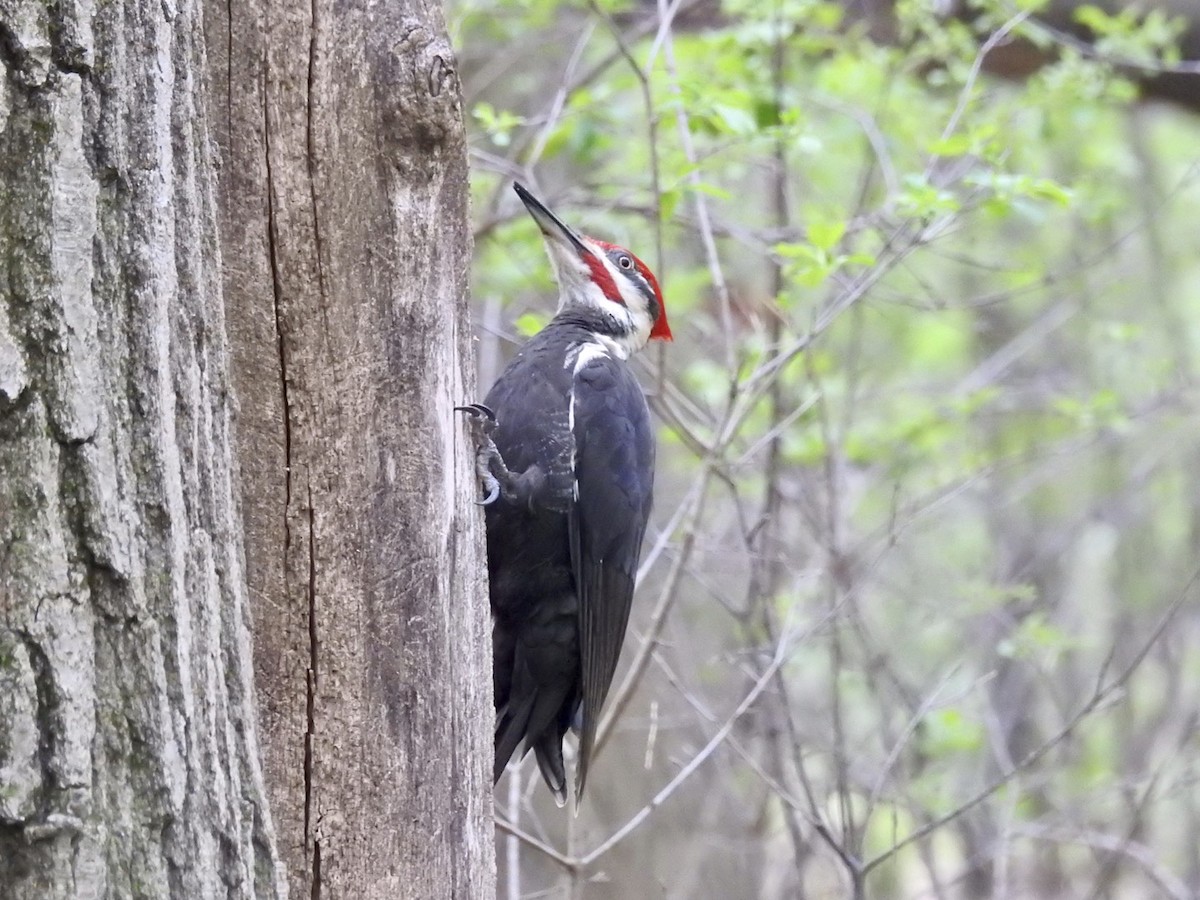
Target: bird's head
{"points": [[603, 279]]}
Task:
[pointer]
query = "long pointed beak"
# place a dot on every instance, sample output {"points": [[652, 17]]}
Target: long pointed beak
{"points": [[551, 226]]}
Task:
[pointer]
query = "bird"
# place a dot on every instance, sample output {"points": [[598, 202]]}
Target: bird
{"points": [[565, 451]]}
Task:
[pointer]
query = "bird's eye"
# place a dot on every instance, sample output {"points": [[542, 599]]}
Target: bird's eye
{"points": [[624, 262]]}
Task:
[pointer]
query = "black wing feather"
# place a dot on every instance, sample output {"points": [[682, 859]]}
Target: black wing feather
{"points": [[534, 645], [614, 473]]}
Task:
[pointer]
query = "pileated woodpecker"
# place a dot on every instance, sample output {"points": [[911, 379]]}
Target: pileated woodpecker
{"points": [[566, 452]]}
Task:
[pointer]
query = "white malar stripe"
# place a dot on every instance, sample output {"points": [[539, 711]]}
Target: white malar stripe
{"points": [[637, 310], [623, 320]]}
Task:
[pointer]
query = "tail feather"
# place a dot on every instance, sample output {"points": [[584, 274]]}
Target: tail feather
{"points": [[510, 731], [549, 754], [537, 689], [533, 719]]}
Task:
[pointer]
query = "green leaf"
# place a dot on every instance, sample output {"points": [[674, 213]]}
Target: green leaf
{"points": [[735, 119], [954, 145], [826, 235], [499, 124], [670, 202]]}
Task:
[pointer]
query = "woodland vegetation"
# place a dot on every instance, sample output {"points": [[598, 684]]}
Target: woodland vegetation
{"points": [[917, 615], [918, 612], [243, 615]]}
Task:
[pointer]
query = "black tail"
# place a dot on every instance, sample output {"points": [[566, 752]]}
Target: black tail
{"points": [[537, 687], [510, 731]]}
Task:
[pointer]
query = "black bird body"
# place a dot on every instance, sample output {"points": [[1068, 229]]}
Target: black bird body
{"points": [[567, 453], [563, 553]]}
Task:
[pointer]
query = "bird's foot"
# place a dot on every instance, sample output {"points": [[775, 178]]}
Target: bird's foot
{"points": [[483, 422]]}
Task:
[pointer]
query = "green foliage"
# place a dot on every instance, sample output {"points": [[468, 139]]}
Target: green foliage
{"points": [[498, 124], [991, 285], [1139, 35]]}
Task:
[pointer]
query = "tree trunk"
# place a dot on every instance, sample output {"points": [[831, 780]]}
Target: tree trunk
{"points": [[129, 757], [347, 249], [128, 749]]}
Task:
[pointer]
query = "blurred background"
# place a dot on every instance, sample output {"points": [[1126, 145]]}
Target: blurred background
{"points": [[918, 615]]}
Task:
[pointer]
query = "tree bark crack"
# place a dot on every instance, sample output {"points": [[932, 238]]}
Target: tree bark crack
{"points": [[278, 310], [310, 719], [12, 54], [67, 55], [43, 680], [277, 289]]}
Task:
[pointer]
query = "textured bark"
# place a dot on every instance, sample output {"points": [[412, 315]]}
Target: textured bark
{"points": [[344, 223], [128, 757]]}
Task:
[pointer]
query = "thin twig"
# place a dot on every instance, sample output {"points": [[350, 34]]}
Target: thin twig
{"points": [[1156, 67], [698, 760], [699, 200], [540, 846], [1100, 696], [666, 599], [575, 864], [1169, 883], [964, 97]]}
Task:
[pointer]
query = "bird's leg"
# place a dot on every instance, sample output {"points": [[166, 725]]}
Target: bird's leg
{"points": [[493, 472]]}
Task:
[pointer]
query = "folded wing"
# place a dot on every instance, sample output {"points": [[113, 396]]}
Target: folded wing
{"points": [[614, 473]]}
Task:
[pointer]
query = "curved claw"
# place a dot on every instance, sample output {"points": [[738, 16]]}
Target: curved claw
{"points": [[477, 410], [482, 424], [493, 494]]}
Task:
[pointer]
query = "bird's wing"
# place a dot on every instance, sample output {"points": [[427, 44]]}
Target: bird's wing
{"points": [[613, 469], [529, 400]]}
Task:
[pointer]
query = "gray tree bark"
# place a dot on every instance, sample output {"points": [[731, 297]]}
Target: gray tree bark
{"points": [[129, 735], [128, 749], [347, 247]]}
